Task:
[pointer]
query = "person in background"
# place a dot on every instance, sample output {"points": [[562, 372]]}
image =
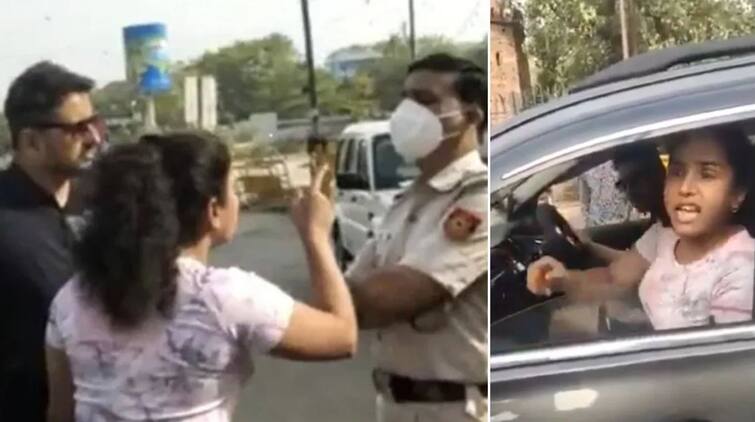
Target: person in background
{"points": [[602, 202], [147, 330], [640, 178], [55, 133], [421, 282]]}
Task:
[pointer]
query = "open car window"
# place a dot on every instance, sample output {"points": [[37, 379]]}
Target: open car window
{"points": [[522, 321], [392, 170], [592, 199]]}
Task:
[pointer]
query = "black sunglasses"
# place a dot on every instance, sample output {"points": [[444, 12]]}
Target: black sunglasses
{"points": [[82, 127]]}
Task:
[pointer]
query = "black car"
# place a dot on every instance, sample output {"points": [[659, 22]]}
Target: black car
{"points": [[557, 360]]}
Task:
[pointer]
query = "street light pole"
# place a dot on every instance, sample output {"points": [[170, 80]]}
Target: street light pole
{"points": [[312, 88], [412, 41], [624, 30]]}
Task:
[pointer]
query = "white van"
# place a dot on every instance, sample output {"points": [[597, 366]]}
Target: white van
{"points": [[369, 174]]}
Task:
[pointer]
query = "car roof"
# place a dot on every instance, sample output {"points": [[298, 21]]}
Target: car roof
{"points": [[597, 109], [376, 127]]}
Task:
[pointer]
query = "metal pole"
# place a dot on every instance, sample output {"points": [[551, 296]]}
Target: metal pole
{"points": [[312, 88], [412, 40], [624, 30], [150, 115]]}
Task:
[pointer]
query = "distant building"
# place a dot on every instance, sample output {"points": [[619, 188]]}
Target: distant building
{"points": [[509, 68], [346, 62]]}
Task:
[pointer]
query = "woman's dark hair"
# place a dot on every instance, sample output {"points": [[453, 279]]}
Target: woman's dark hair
{"points": [[643, 153], [197, 164], [646, 157], [740, 154], [148, 201]]}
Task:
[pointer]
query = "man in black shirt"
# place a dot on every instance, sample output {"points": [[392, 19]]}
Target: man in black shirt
{"points": [[55, 133]]}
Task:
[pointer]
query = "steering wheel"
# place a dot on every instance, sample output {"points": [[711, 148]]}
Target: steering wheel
{"points": [[560, 240]]}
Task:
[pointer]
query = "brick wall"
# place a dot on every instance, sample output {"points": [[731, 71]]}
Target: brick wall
{"points": [[509, 71]]}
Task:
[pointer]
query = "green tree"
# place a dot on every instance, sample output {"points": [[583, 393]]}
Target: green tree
{"points": [[389, 72], [121, 99], [115, 99], [571, 39], [269, 75], [257, 76]]}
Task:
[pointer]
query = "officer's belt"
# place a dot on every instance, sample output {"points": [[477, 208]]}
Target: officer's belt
{"points": [[403, 389]]}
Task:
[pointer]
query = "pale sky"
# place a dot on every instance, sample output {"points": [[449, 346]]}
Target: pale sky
{"points": [[86, 35]]}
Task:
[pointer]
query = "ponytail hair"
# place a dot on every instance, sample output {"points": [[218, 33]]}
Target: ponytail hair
{"points": [[198, 165], [128, 250], [149, 201]]}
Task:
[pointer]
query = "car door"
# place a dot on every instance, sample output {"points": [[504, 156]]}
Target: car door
{"points": [[353, 199], [675, 376], [695, 374]]}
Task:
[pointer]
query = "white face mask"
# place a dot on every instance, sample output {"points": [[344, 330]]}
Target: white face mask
{"points": [[416, 131]]}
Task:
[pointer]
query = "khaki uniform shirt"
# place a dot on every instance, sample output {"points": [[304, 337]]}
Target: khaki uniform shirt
{"points": [[439, 228]]}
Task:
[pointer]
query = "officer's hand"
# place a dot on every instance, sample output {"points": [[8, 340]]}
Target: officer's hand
{"points": [[545, 276], [312, 211]]}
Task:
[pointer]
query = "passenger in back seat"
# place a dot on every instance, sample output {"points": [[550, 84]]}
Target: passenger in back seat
{"points": [[641, 175]]}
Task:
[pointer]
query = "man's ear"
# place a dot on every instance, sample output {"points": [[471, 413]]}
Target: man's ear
{"points": [[473, 113], [28, 140], [739, 199], [213, 213]]}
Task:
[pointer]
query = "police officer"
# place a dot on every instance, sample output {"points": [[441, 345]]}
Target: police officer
{"points": [[421, 281]]}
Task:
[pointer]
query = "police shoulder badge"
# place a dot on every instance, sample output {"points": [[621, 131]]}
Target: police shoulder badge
{"points": [[460, 224]]}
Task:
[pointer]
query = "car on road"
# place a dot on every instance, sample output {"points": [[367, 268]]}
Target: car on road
{"points": [[369, 174], [557, 360]]}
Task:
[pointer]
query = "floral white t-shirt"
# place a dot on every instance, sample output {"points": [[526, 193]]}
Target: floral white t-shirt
{"points": [[188, 368], [718, 286]]}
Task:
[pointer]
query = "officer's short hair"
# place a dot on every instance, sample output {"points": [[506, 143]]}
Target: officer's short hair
{"points": [[36, 93], [471, 84]]}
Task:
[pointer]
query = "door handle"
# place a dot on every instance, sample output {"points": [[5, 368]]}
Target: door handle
{"points": [[353, 199]]}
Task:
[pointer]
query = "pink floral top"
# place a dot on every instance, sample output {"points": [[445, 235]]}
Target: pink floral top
{"points": [[718, 286], [188, 368]]}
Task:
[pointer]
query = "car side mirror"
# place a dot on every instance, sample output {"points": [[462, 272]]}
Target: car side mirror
{"points": [[351, 181]]}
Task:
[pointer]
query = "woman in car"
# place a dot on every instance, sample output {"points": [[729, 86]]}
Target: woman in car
{"points": [[148, 330], [699, 270]]}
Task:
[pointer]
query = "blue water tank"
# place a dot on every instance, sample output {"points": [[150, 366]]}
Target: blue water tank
{"points": [[147, 60]]}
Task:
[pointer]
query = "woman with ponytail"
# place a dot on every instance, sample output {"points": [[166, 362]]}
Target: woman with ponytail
{"points": [[147, 330]]}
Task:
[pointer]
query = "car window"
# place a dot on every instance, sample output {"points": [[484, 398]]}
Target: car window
{"points": [[390, 168], [592, 199], [362, 168], [342, 155], [348, 165], [523, 321]]}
